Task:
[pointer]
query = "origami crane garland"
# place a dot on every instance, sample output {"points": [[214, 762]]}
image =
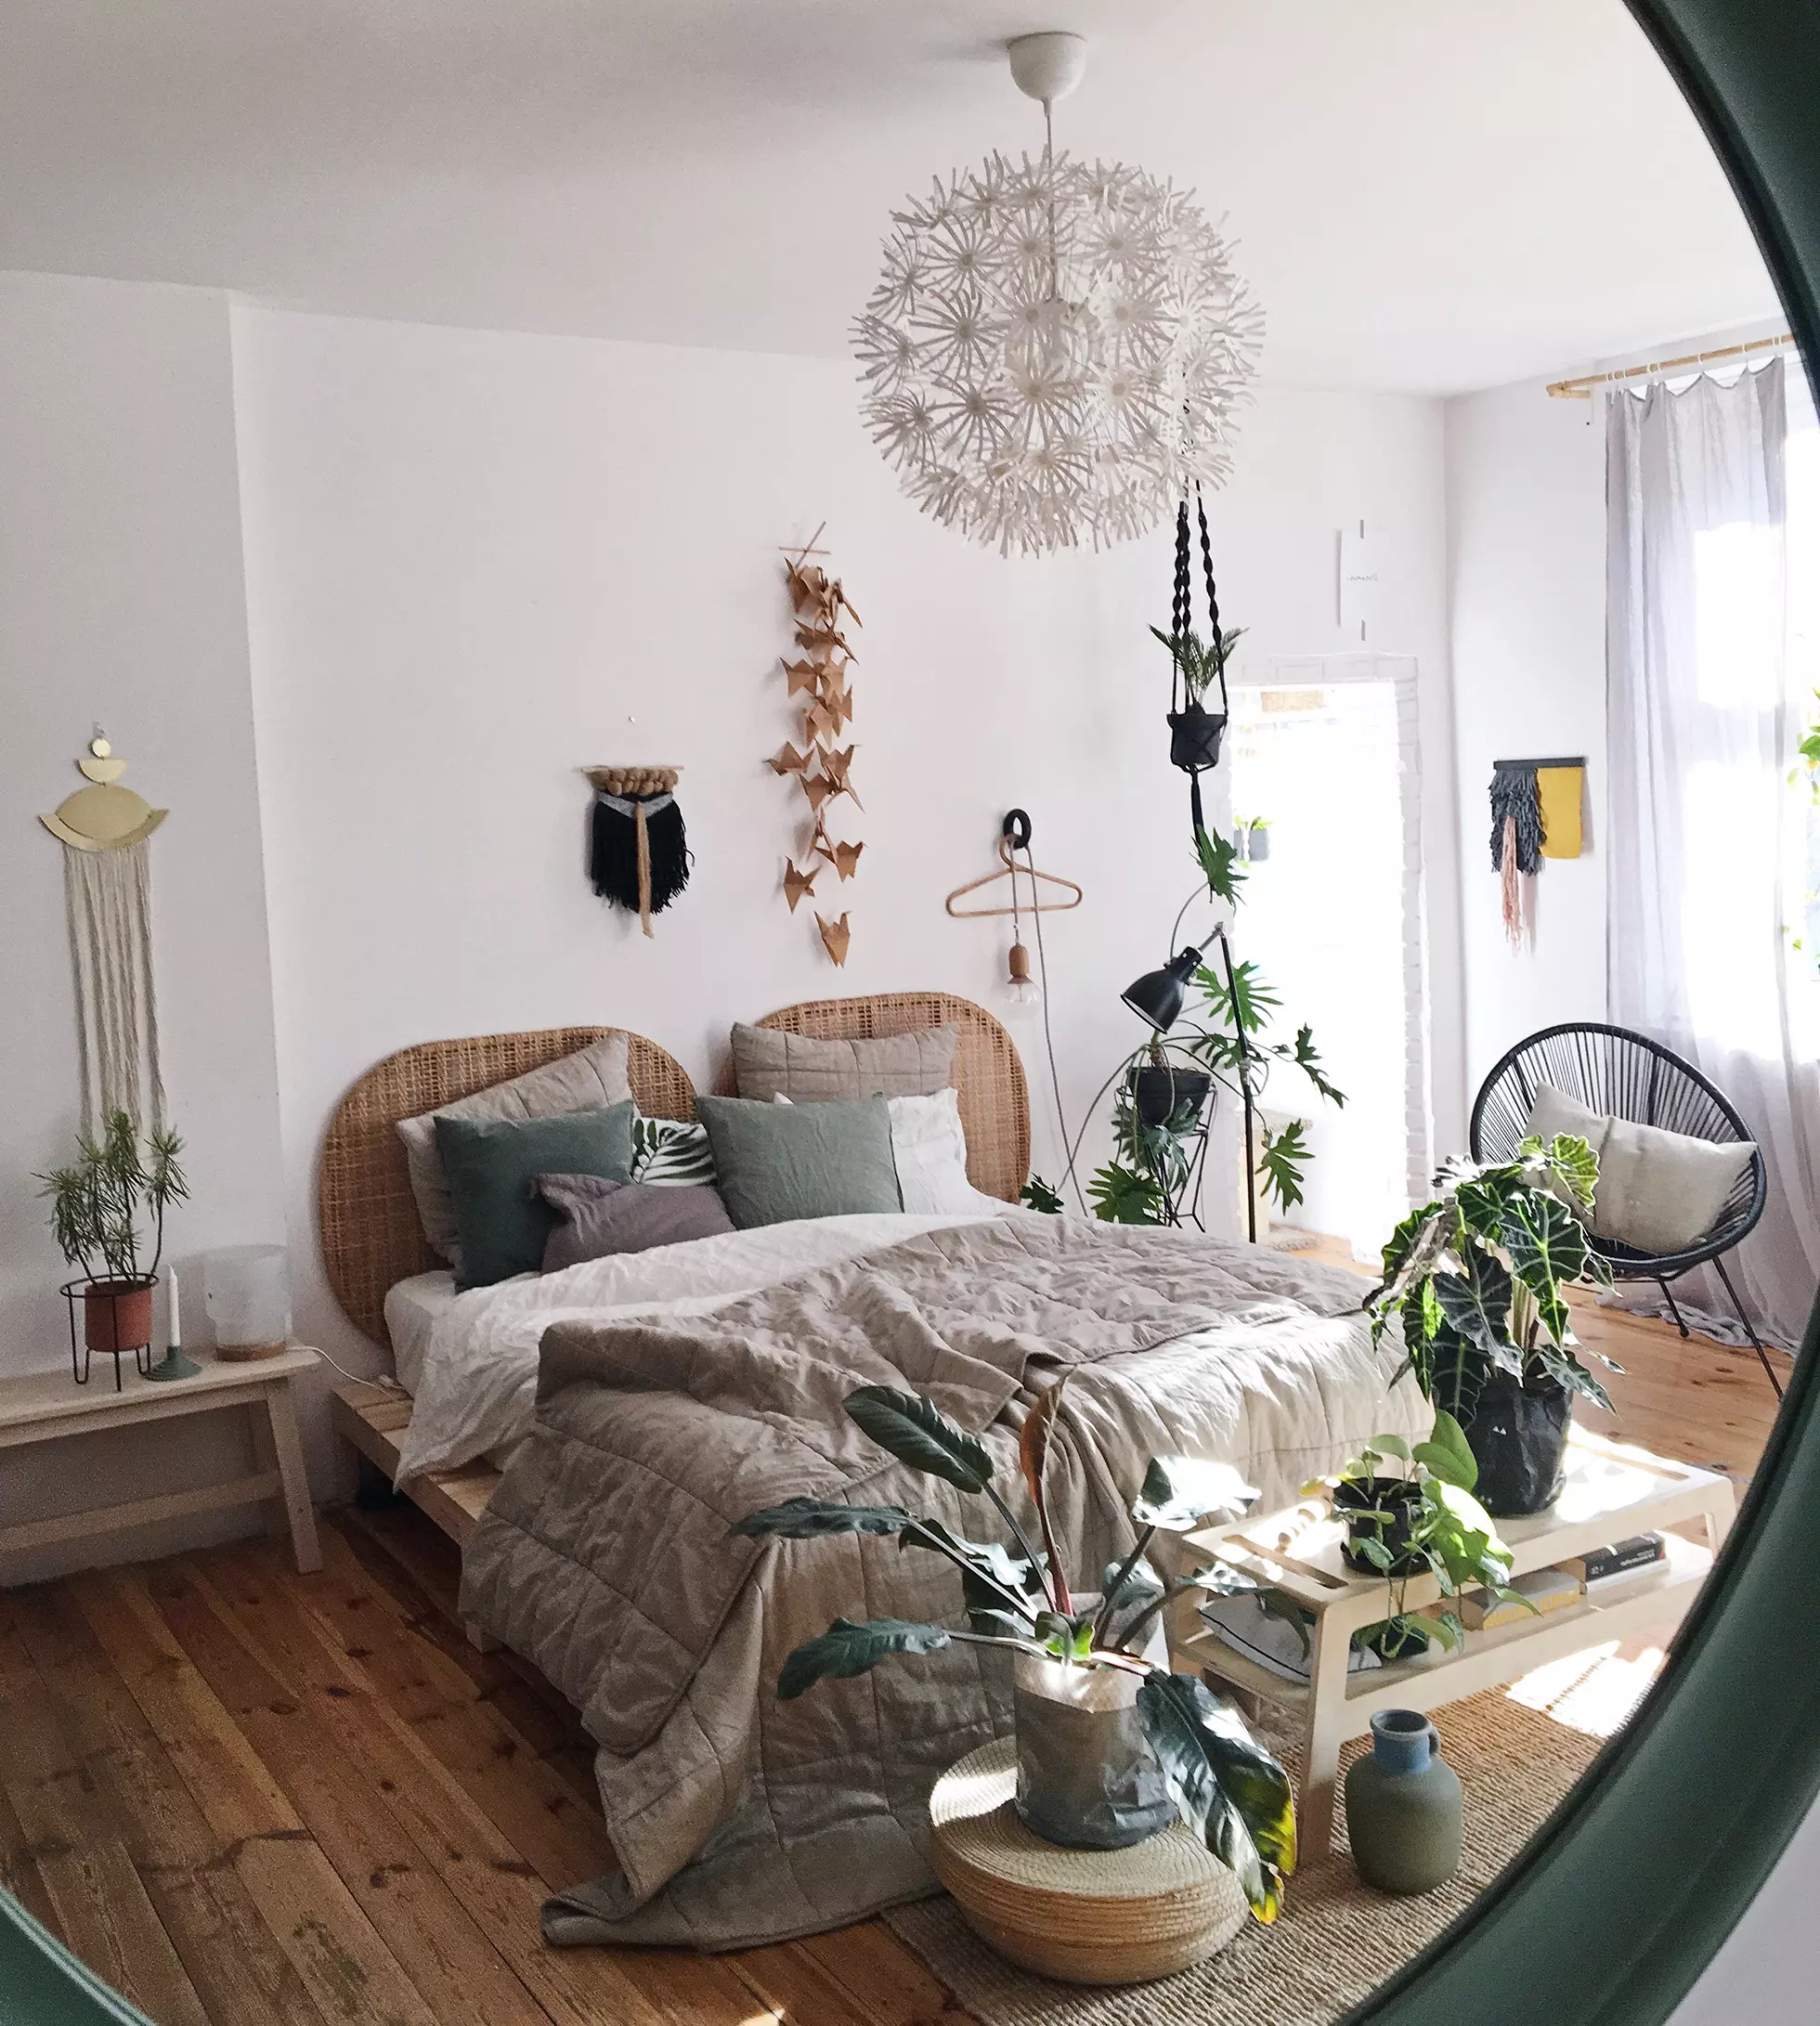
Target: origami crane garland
{"points": [[823, 769]]}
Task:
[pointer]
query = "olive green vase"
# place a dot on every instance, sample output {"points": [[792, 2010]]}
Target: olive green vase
{"points": [[1403, 1808]]}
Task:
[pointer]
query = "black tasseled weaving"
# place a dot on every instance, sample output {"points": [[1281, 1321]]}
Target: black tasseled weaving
{"points": [[1515, 795], [613, 863]]}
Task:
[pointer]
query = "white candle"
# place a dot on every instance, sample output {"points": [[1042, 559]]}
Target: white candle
{"points": [[176, 1327]]}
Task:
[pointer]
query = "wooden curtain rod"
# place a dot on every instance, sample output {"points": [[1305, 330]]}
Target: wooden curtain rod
{"points": [[1582, 389]]}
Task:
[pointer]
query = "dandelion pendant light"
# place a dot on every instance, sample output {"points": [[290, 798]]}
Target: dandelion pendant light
{"points": [[1055, 350]]}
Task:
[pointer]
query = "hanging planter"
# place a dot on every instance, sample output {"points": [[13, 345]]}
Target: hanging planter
{"points": [[1159, 1091], [1197, 668]]}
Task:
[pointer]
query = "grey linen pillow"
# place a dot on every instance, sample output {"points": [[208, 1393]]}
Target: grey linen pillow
{"points": [[586, 1081], [769, 1063], [600, 1217], [781, 1162]]}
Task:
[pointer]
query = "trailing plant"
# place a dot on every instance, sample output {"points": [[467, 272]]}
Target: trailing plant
{"points": [[97, 1202], [1199, 664], [1411, 1512], [1478, 1276], [1231, 1793]]}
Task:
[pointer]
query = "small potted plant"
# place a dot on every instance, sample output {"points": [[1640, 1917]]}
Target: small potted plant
{"points": [[97, 1204], [1412, 1512], [1194, 731], [1111, 1744], [1257, 839], [1477, 1278]]}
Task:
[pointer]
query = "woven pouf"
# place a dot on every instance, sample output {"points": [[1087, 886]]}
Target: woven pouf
{"points": [[1084, 1917]]}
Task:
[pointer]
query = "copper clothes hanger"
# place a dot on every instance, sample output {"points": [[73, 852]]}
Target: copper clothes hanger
{"points": [[1014, 836]]}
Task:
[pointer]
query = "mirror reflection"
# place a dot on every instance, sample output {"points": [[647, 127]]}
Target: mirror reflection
{"points": [[1033, 1308]]}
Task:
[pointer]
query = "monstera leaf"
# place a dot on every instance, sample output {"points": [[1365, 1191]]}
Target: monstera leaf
{"points": [[1231, 1793], [807, 1519], [1178, 1490], [846, 1648], [917, 1432]]}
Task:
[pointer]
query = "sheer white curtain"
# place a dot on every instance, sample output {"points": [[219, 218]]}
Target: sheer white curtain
{"points": [[1707, 860]]}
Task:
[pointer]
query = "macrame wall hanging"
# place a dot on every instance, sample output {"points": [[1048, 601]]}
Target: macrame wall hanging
{"points": [[823, 769], [1535, 814], [638, 853], [104, 829]]}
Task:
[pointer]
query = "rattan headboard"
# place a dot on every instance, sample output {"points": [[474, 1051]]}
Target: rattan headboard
{"points": [[989, 1076], [371, 1236]]}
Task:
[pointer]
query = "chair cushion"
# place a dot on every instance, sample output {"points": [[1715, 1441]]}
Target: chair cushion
{"points": [[1659, 1192], [1663, 1192]]}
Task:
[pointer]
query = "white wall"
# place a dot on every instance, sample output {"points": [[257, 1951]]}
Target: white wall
{"points": [[1526, 536], [121, 600], [478, 562]]}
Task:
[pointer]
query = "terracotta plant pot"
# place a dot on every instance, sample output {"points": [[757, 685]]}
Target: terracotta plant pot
{"points": [[116, 1315], [1087, 1778], [1194, 738], [1518, 1436]]}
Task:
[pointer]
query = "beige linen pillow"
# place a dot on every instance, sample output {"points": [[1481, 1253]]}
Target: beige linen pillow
{"points": [[1658, 1191], [587, 1081], [769, 1063], [1663, 1191]]}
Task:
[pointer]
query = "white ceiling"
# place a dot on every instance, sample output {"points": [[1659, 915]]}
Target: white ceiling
{"points": [[1428, 194]]}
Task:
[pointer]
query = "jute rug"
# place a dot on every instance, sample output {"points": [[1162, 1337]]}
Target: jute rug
{"points": [[1337, 1939]]}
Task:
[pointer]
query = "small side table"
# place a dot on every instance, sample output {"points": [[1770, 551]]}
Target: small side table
{"points": [[1084, 1917], [1612, 1491], [44, 1407]]}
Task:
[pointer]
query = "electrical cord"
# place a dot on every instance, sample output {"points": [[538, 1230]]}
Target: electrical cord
{"points": [[1048, 1032]]}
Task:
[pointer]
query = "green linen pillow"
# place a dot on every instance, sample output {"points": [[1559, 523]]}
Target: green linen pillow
{"points": [[501, 1221], [780, 1162]]}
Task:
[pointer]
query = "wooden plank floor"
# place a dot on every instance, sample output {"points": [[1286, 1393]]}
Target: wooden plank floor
{"points": [[244, 1795]]}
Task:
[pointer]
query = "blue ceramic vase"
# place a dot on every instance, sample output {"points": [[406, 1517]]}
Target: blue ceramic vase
{"points": [[1403, 1807]]}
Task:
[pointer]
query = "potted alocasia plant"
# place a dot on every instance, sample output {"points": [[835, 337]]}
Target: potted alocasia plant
{"points": [[1111, 1744], [98, 1203], [1411, 1512], [1477, 1278]]}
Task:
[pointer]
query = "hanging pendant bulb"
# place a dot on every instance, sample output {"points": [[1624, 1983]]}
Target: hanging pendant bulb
{"points": [[1020, 987]]}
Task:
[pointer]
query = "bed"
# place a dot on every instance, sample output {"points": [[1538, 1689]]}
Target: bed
{"points": [[645, 1415]]}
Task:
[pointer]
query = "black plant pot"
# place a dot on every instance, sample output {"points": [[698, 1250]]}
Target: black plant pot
{"points": [[1159, 1091], [1518, 1436], [1194, 736], [1396, 1496]]}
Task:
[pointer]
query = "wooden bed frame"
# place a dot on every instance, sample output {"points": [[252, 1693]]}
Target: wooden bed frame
{"points": [[371, 1236]]}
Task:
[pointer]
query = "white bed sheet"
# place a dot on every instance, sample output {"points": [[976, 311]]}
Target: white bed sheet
{"points": [[412, 1308], [475, 1384]]}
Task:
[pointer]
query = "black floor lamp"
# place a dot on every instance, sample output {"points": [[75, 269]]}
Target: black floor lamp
{"points": [[1158, 997]]}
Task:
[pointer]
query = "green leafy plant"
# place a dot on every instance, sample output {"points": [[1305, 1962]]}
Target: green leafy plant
{"points": [[1478, 1276], [1199, 663], [1410, 1512], [1230, 1790], [97, 1202]]}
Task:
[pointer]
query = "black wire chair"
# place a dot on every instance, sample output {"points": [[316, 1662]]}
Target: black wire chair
{"points": [[1623, 1076]]}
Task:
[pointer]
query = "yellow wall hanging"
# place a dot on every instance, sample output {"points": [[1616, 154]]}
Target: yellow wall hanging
{"points": [[107, 892]]}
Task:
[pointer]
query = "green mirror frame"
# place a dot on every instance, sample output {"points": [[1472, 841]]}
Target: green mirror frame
{"points": [[1624, 1896]]}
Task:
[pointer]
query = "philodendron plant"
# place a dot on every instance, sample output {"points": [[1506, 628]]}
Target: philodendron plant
{"points": [[1478, 1276], [1411, 1512], [1230, 1792]]}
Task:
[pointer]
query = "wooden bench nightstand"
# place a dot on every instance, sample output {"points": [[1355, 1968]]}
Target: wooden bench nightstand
{"points": [[46, 1406]]}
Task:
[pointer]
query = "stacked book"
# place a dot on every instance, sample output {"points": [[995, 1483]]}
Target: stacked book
{"points": [[1601, 1567]]}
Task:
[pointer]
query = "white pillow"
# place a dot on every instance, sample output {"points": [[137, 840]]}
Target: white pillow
{"points": [[931, 1151]]}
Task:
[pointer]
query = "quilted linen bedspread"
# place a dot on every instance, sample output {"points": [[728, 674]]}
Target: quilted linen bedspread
{"points": [[605, 1555]]}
